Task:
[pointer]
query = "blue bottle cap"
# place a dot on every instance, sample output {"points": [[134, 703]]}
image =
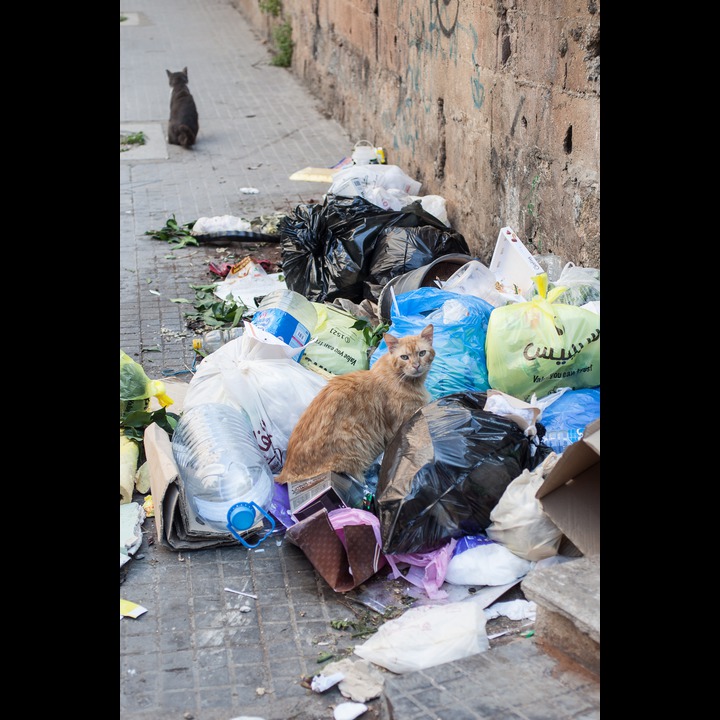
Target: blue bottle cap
{"points": [[241, 516]]}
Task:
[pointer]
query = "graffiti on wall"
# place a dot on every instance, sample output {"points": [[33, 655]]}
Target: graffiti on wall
{"points": [[446, 12], [434, 39]]}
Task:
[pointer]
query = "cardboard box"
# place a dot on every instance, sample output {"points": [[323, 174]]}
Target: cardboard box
{"points": [[570, 494], [513, 264], [328, 490]]}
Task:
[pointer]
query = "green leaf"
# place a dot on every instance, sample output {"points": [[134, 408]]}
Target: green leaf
{"points": [[135, 422], [175, 233]]}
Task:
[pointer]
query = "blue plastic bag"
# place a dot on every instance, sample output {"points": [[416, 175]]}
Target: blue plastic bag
{"points": [[566, 418], [460, 325]]}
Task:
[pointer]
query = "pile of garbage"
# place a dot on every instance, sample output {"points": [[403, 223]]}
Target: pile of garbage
{"points": [[457, 496]]}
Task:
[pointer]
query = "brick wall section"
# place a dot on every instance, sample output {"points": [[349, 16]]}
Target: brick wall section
{"points": [[492, 104]]}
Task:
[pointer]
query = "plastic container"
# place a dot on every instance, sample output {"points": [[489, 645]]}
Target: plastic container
{"points": [[226, 480], [365, 153], [288, 315], [214, 339], [513, 264]]}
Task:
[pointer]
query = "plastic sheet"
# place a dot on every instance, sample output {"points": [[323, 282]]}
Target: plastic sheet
{"points": [[445, 470]]}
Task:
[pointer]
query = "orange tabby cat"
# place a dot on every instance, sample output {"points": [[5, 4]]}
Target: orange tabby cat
{"points": [[354, 416]]}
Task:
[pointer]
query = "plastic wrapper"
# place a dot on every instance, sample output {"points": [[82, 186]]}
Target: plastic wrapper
{"points": [[426, 636], [518, 521], [357, 179], [257, 373], [329, 249], [478, 560], [338, 346], [445, 470]]}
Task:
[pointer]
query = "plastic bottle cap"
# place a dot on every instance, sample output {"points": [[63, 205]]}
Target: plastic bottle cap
{"points": [[241, 516]]}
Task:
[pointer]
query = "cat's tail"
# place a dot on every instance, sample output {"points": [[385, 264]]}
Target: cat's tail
{"points": [[185, 136]]}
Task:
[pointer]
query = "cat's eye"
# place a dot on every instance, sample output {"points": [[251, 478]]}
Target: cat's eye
{"points": [[404, 357], [422, 352]]}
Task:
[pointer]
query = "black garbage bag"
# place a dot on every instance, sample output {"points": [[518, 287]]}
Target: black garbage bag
{"points": [[446, 469], [402, 249], [328, 249]]}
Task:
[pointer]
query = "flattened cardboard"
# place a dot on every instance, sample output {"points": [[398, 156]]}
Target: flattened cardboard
{"points": [[175, 526], [570, 494], [315, 174]]}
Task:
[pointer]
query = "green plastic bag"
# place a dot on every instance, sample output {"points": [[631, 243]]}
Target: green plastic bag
{"points": [[338, 348], [136, 388], [536, 347]]}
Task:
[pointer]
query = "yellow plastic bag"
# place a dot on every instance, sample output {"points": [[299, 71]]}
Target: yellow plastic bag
{"points": [[539, 346], [338, 348]]}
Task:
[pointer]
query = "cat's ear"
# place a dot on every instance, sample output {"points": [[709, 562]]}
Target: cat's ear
{"points": [[169, 74], [185, 69], [391, 341], [427, 333]]}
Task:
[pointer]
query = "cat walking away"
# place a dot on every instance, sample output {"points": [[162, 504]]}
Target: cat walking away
{"points": [[350, 422], [183, 126]]}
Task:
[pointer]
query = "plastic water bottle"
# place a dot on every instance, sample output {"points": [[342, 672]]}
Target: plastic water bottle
{"points": [[226, 480], [558, 440], [213, 339]]}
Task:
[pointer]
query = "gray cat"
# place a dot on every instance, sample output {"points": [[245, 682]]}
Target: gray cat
{"points": [[183, 126]]}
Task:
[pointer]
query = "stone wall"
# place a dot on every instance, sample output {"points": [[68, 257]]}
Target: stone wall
{"points": [[494, 105]]}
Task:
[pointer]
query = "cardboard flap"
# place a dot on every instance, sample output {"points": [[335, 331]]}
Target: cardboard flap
{"points": [[591, 435], [163, 470], [570, 494], [575, 509], [568, 465]]}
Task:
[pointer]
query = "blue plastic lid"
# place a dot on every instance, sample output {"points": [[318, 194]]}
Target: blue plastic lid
{"points": [[241, 516]]}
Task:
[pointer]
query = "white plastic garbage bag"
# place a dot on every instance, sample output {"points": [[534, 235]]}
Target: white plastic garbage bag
{"points": [[519, 522], [356, 179], [426, 636], [257, 372], [477, 560]]}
